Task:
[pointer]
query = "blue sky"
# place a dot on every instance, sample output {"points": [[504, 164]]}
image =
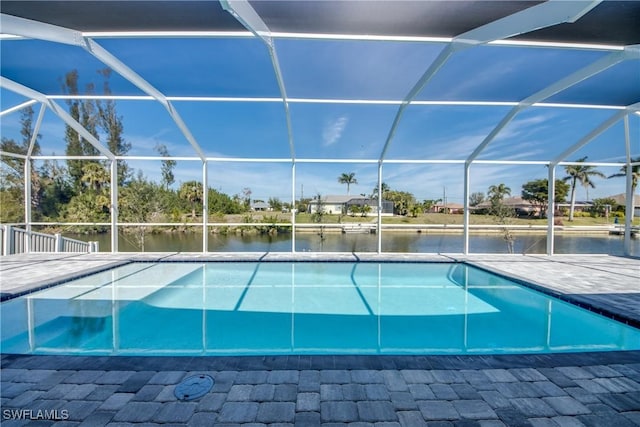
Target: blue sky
{"points": [[357, 70]]}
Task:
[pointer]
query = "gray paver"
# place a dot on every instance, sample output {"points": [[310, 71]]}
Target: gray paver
{"points": [[80, 409], [500, 375], [202, 419], [421, 392], [261, 392], [167, 377], [308, 402], [83, 377], [564, 421], [271, 412], [620, 402], [338, 411], [443, 392], [304, 419], [175, 412], [547, 388], [331, 392], [566, 405], [212, 402], [114, 377], [251, 377], [137, 412], [411, 419], [403, 401], [167, 394], [376, 392], [240, 393], [285, 393], [438, 410], [98, 419], [80, 391], [282, 377], [366, 376], [575, 372], [618, 385], [376, 411], [148, 392], [238, 412], [353, 392], [533, 407], [116, 401], [395, 381], [334, 376], [474, 409]]}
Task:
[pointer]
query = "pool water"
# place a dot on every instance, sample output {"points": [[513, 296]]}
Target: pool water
{"points": [[244, 308]]}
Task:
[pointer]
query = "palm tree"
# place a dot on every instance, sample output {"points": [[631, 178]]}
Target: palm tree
{"points": [[191, 191], [582, 174], [497, 192], [635, 173], [385, 188], [348, 178], [95, 176]]}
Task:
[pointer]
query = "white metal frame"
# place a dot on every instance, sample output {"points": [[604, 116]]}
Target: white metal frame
{"points": [[495, 33]]}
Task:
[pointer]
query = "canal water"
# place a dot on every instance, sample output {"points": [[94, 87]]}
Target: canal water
{"points": [[391, 242]]}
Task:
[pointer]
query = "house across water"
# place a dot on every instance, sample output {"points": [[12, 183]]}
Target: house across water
{"points": [[347, 204]]}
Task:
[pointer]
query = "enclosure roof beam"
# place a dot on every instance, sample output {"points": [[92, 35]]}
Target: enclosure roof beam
{"points": [[18, 107], [36, 130], [594, 133], [562, 84], [247, 16], [39, 30], [543, 15], [66, 117]]}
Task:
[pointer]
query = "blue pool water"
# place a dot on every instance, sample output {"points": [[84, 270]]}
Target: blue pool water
{"points": [[242, 308]]}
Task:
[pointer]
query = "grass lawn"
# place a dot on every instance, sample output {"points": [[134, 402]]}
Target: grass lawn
{"points": [[428, 218]]}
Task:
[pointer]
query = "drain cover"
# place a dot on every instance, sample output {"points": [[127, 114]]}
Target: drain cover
{"points": [[193, 387]]}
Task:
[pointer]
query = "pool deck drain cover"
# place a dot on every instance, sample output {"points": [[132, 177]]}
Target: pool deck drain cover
{"points": [[193, 387]]}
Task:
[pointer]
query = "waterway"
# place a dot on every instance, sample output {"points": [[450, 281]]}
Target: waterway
{"points": [[391, 242]]}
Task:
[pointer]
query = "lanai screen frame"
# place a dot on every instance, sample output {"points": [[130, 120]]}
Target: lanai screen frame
{"points": [[496, 33]]}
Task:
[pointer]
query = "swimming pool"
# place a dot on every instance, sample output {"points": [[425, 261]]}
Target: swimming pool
{"points": [[269, 308]]}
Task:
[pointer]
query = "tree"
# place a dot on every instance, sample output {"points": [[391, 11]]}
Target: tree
{"points": [[191, 191], [167, 166], [415, 210], [581, 174], [635, 174], [13, 168], [246, 193], [385, 188], [348, 178], [223, 204], [497, 192], [112, 125], [138, 203], [602, 207], [537, 191], [428, 204], [84, 112], [275, 204], [402, 200], [94, 176], [476, 198]]}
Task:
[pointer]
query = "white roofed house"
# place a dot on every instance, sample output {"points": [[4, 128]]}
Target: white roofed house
{"points": [[337, 204], [260, 206]]}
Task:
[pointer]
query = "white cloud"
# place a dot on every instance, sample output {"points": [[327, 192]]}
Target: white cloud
{"points": [[333, 130]]}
